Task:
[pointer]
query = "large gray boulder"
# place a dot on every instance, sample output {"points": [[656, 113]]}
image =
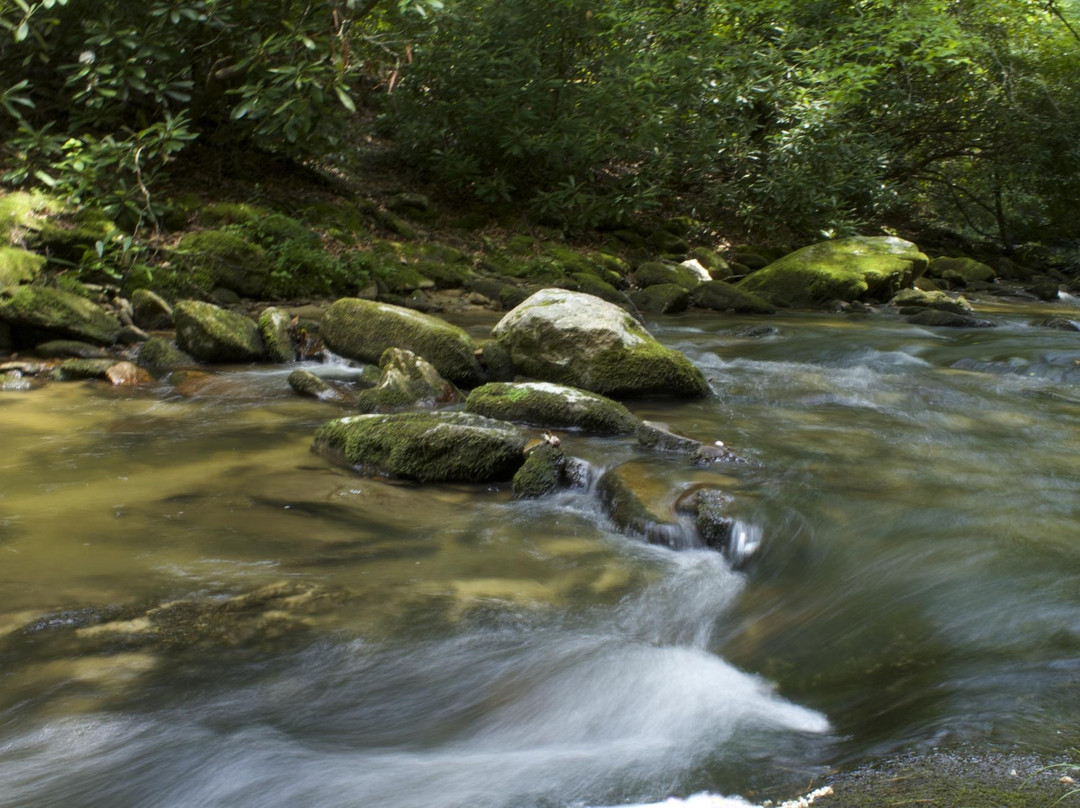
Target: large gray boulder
{"points": [[580, 340], [59, 313], [424, 446], [408, 381], [870, 268], [363, 330], [554, 406], [213, 334]]}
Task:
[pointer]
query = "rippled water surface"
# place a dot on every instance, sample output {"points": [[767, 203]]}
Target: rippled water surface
{"points": [[196, 610]]}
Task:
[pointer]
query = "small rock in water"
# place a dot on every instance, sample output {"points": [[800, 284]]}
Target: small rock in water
{"points": [[127, 374], [309, 384]]}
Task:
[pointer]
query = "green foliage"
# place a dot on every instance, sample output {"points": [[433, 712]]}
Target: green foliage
{"points": [[110, 90], [810, 117]]}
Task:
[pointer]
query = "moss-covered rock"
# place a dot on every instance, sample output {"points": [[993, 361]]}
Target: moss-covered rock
{"points": [[664, 298], [161, 353], [307, 384], [961, 271], [860, 268], [714, 524], [580, 340], [722, 296], [445, 276], [408, 382], [150, 311], [76, 369], [70, 349], [220, 258], [543, 472], [589, 284], [275, 327], [717, 267], [19, 266], [424, 446], [214, 334], [947, 319], [661, 438], [363, 330], [554, 406], [496, 361], [911, 301], [69, 236], [57, 312], [655, 273], [401, 279]]}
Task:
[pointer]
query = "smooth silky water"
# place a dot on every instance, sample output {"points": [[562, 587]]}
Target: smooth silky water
{"points": [[915, 492]]}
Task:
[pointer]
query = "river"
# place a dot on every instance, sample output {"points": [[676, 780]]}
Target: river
{"points": [[197, 611]]}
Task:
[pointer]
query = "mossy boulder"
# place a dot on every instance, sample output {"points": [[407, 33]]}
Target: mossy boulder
{"points": [[220, 258], [870, 268], [401, 279], [407, 382], [961, 271], [76, 369], [722, 296], [554, 406], [307, 384], [543, 472], [498, 366], [713, 262], [162, 353], [19, 266], [69, 236], [70, 349], [912, 301], [583, 341], [275, 327], [363, 330], [424, 446], [57, 312], [150, 311], [655, 273], [664, 298], [947, 319], [213, 334]]}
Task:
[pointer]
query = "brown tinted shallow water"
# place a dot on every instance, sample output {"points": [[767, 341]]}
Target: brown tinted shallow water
{"points": [[197, 611]]}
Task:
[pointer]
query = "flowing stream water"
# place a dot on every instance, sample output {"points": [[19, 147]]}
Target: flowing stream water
{"points": [[197, 611]]}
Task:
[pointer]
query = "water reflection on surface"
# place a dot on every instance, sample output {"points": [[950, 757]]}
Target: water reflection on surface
{"points": [[195, 610]]}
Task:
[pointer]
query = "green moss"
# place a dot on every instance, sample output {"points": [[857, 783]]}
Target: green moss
{"points": [[552, 406], [849, 269], [219, 214], [76, 369], [655, 273], [70, 236], [426, 447], [363, 330], [722, 296], [161, 353], [968, 269], [60, 312], [445, 276], [543, 472], [213, 334], [665, 298], [222, 258], [274, 326], [402, 279], [19, 266], [520, 244], [22, 211]]}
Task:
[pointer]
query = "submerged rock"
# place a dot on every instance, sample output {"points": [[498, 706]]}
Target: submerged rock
{"points": [[642, 505], [580, 340], [859, 268], [946, 319], [661, 438], [214, 334], [40, 308], [550, 405], [408, 381], [424, 446], [306, 383], [363, 330]]}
